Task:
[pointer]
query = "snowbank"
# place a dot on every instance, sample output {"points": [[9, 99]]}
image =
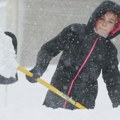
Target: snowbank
{"points": [[23, 101]]}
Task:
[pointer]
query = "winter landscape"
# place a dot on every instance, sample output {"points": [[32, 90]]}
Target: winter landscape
{"points": [[23, 101]]}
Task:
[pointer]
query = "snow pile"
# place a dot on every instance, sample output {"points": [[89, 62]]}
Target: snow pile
{"points": [[23, 101], [8, 63]]}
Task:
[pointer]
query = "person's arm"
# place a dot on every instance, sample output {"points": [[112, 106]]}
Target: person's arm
{"points": [[48, 51], [111, 76]]}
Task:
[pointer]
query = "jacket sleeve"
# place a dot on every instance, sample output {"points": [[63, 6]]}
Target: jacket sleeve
{"points": [[52, 48], [111, 76]]}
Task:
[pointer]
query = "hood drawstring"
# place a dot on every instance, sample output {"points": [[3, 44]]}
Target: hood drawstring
{"points": [[80, 69]]}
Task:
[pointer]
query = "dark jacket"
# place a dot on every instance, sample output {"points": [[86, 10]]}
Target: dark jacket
{"points": [[4, 80], [75, 42]]}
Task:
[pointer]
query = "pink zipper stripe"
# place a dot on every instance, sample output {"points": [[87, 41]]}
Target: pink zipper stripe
{"points": [[80, 69]]}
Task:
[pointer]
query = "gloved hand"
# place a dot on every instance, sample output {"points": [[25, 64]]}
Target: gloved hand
{"points": [[36, 74]]}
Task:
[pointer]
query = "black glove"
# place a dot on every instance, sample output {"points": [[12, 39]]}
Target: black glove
{"points": [[36, 73]]}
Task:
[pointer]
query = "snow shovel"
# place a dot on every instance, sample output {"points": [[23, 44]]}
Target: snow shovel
{"points": [[52, 88]]}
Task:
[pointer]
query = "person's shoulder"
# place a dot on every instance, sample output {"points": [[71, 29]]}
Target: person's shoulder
{"points": [[76, 27]]}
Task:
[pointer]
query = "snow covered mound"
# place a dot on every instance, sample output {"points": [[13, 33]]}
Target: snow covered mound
{"points": [[8, 63], [23, 101]]}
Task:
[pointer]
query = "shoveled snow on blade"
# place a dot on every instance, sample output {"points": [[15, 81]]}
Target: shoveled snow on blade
{"points": [[8, 63]]}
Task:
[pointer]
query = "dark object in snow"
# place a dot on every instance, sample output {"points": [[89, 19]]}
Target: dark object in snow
{"points": [[4, 80], [14, 40], [75, 42]]}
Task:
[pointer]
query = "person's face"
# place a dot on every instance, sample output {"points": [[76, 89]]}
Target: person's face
{"points": [[106, 23]]}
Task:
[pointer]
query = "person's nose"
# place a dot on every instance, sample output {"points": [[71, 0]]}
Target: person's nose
{"points": [[104, 23]]}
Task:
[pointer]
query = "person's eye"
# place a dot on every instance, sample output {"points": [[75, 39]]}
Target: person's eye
{"points": [[111, 22], [101, 17]]}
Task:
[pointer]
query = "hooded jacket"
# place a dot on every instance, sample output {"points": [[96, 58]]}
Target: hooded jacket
{"points": [[75, 42]]}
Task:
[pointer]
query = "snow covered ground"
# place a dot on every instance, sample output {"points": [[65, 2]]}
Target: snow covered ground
{"points": [[23, 101]]}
